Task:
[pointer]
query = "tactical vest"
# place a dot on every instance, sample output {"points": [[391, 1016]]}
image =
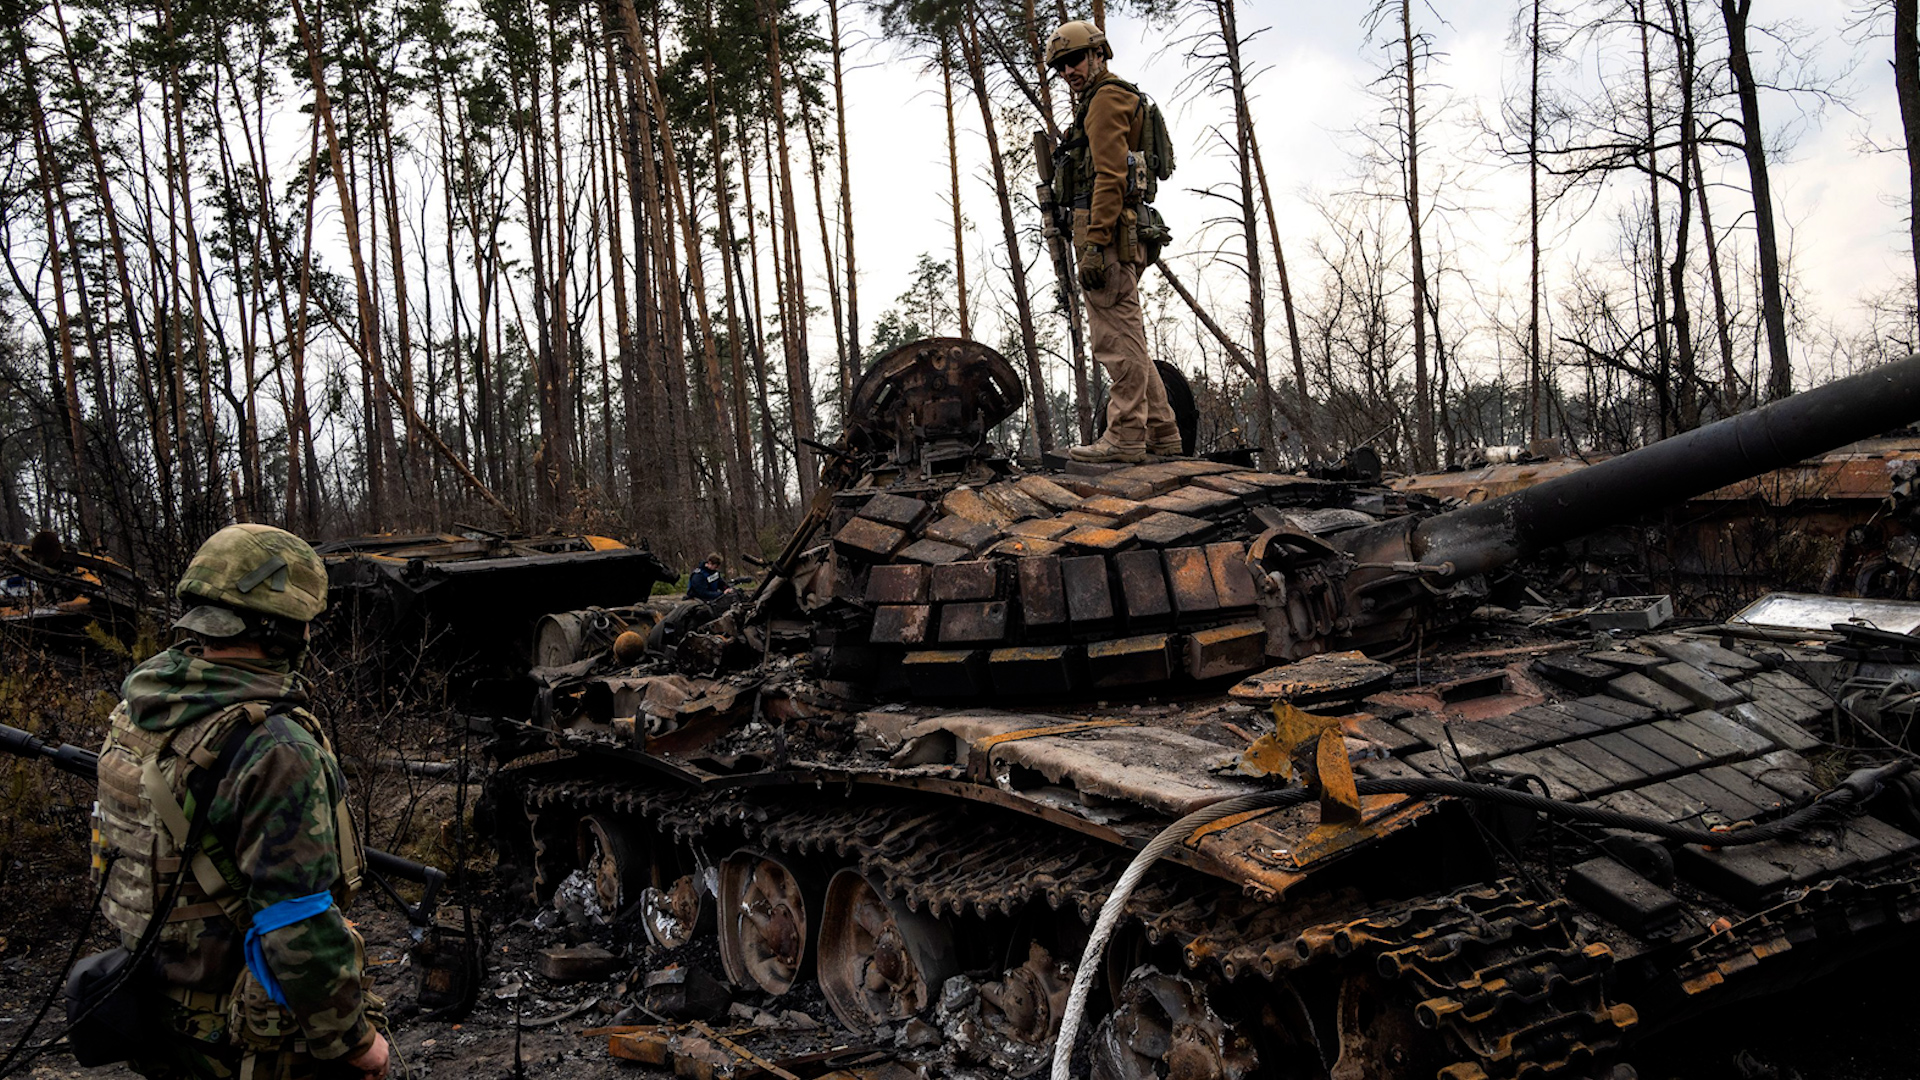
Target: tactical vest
{"points": [[144, 812], [1148, 163], [1141, 230]]}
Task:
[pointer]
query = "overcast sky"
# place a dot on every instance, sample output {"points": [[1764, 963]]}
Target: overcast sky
{"points": [[1841, 208]]}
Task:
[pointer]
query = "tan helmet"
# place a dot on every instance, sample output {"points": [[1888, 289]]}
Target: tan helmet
{"points": [[1074, 36], [253, 568]]}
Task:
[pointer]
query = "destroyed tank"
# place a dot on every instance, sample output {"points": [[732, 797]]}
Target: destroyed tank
{"points": [[914, 764]]}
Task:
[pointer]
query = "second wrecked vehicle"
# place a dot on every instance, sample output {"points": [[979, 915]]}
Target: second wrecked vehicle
{"points": [[916, 767]]}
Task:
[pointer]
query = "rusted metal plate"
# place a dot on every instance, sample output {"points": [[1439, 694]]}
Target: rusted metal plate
{"points": [[1743, 786], [1232, 581], [1158, 768], [1227, 650], [1626, 712], [1020, 547], [967, 503], [1783, 771], [1637, 755], [1705, 691], [868, 540], [1194, 501], [1198, 467], [1745, 875], [1323, 678], [946, 672], [1143, 585], [1660, 742], [970, 623], [1013, 502], [1131, 661], [1473, 742], [1075, 519], [900, 624], [1716, 749], [1093, 538], [578, 963], [1124, 511], [1089, 600], [1041, 528], [933, 552], [977, 579], [1701, 654], [1577, 673], [1728, 804], [1043, 597], [1227, 485], [1115, 484], [898, 511], [1642, 690], [1167, 528], [1190, 581], [1048, 493], [1749, 742], [961, 532], [897, 584], [1158, 478], [1277, 481], [1618, 773], [1037, 669]]}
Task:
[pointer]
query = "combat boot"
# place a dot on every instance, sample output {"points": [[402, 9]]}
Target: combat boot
{"points": [[1101, 451], [1171, 446]]}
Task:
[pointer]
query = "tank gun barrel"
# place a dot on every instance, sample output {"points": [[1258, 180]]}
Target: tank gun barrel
{"points": [[1491, 534]]}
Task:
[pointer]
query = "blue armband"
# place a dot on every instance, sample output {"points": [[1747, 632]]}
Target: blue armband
{"points": [[271, 918]]}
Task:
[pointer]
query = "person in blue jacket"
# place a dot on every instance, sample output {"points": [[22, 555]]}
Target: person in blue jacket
{"points": [[709, 582]]}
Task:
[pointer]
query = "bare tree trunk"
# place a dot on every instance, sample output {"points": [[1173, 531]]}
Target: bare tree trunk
{"points": [[794, 341], [1424, 451], [953, 176], [1773, 306], [846, 192], [1906, 85], [1039, 408], [1533, 228], [1304, 420], [1249, 229], [350, 218], [1657, 242]]}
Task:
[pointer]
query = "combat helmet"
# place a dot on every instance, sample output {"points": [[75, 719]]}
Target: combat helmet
{"points": [[1072, 37], [251, 568]]}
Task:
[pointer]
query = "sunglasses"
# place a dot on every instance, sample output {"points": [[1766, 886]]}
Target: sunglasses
{"points": [[1062, 63]]}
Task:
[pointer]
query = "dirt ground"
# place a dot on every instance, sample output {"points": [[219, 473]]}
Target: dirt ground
{"points": [[1859, 1025]]}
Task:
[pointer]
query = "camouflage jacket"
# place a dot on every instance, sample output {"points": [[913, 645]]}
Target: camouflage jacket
{"points": [[274, 812]]}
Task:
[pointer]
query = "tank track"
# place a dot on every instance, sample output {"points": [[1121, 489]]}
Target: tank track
{"points": [[1501, 975]]}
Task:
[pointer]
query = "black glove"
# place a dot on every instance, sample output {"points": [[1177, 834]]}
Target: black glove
{"points": [[1093, 267]]}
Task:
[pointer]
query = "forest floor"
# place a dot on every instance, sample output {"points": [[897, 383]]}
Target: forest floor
{"points": [[1862, 1024]]}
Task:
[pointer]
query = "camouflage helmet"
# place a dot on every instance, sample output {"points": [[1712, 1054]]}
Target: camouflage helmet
{"points": [[1072, 37], [253, 568]]}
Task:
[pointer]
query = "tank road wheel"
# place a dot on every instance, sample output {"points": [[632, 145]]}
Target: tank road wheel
{"points": [[879, 961], [1164, 1026], [675, 913], [1028, 1001], [766, 921], [616, 861]]}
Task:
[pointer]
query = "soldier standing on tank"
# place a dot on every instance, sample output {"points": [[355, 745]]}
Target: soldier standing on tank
{"points": [[1109, 122], [258, 974]]}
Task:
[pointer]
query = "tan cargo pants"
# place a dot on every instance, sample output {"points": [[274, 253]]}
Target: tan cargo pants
{"points": [[1137, 409]]}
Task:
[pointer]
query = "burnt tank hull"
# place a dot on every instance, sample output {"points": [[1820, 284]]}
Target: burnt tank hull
{"points": [[976, 692]]}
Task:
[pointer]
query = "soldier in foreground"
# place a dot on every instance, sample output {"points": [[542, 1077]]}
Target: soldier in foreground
{"points": [[1106, 157], [222, 813]]}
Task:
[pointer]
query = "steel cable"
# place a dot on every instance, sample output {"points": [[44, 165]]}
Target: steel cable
{"points": [[1852, 792]]}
